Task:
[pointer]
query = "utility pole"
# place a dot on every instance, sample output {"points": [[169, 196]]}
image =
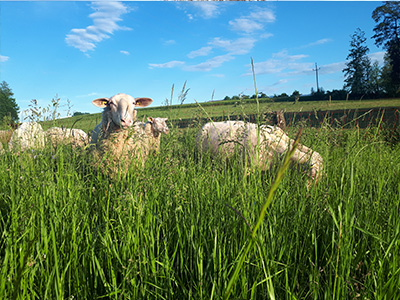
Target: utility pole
{"points": [[316, 75]]}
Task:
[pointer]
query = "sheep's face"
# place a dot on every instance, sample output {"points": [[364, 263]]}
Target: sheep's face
{"points": [[159, 125], [121, 108]]}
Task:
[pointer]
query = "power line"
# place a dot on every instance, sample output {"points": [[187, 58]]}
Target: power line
{"points": [[316, 75]]}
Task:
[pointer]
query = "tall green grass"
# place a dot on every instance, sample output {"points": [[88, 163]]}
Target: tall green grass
{"points": [[176, 229]]}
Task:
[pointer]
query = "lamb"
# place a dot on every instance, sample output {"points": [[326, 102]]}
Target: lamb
{"points": [[153, 129], [259, 144], [75, 137], [119, 113]]}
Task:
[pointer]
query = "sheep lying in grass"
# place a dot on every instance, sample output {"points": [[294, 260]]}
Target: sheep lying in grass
{"points": [[29, 135], [119, 113], [129, 147], [119, 140], [258, 144], [75, 137], [153, 129]]}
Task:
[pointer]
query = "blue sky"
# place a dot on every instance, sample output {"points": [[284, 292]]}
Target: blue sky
{"points": [[85, 50]]}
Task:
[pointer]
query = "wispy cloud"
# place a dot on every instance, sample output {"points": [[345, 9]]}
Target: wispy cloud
{"points": [[207, 9], [202, 9], [211, 63], [316, 43], [234, 47], [4, 58], [255, 21], [105, 19], [218, 75], [169, 42], [204, 51], [330, 68], [94, 94], [124, 52], [377, 56], [279, 82], [168, 65], [280, 62]]}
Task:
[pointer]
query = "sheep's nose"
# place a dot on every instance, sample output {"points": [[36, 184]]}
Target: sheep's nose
{"points": [[126, 122]]}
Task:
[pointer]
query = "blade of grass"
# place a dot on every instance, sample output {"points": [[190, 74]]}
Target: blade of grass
{"points": [[270, 196]]}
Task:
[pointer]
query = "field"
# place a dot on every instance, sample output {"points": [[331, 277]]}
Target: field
{"points": [[179, 228], [226, 108]]}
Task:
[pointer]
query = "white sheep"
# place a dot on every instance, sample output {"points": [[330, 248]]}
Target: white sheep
{"points": [[121, 149], [153, 129], [119, 140], [119, 113], [258, 144], [29, 135], [75, 137]]}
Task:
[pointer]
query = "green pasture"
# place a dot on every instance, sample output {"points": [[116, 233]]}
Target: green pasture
{"points": [[184, 226], [225, 108]]}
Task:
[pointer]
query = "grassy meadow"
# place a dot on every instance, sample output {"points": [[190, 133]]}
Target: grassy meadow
{"points": [[179, 228], [225, 108]]}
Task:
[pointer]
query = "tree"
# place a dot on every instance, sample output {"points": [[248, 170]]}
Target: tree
{"points": [[262, 95], [78, 113], [358, 65], [386, 79], [387, 34], [295, 93], [8, 106], [375, 80]]}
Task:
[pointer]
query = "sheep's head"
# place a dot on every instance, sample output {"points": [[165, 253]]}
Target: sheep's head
{"points": [[159, 125], [121, 108]]}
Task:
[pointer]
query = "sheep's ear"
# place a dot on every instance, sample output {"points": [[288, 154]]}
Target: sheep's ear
{"points": [[101, 102], [142, 102], [150, 119]]}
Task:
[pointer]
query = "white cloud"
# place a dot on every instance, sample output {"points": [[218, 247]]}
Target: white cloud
{"points": [[202, 9], [265, 15], [253, 22], [168, 65], [245, 25], [4, 58], [210, 64], [378, 56], [235, 47], [316, 43], [94, 94], [218, 75], [331, 68], [169, 42], [204, 51], [279, 82], [207, 9], [105, 19], [124, 52], [281, 62]]}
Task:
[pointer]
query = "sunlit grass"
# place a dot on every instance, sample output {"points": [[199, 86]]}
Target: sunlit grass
{"points": [[175, 229], [189, 111]]}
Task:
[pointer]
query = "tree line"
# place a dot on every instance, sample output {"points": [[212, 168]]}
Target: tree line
{"points": [[363, 79]]}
